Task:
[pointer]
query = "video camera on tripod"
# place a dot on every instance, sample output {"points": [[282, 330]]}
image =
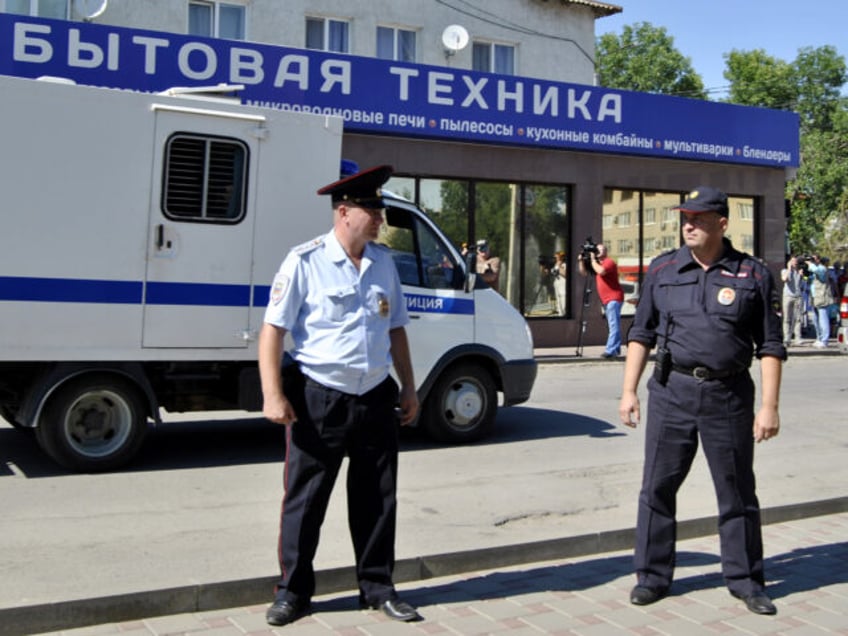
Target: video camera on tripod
{"points": [[588, 248]]}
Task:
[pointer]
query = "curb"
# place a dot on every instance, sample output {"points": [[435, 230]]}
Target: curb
{"points": [[556, 356], [202, 597]]}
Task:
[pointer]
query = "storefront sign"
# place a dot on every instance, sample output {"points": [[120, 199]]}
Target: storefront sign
{"points": [[411, 100]]}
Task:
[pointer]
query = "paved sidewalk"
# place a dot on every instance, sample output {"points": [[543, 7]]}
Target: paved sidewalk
{"points": [[806, 566]]}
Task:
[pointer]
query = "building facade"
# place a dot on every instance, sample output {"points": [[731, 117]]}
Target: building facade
{"points": [[476, 62]]}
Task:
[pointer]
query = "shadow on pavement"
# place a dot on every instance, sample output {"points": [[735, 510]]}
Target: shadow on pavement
{"points": [[254, 440], [801, 570]]}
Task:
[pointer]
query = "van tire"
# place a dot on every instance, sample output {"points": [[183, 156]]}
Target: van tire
{"points": [[93, 423], [462, 404]]}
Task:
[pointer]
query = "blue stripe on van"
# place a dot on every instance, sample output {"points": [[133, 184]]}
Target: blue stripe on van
{"points": [[69, 290], [209, 294]]}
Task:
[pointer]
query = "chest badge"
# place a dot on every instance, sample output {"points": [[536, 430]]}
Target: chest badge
{"points": [[726, 295], [383, 305]]}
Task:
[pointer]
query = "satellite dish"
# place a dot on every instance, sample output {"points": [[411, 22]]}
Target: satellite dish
{"points": [[455, 38], [89, 9]]}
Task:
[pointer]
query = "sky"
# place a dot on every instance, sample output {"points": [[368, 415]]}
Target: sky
{"points": [[703, 30]]}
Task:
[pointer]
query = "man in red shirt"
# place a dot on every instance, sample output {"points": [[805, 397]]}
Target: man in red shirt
{"points": [[610, 293]]}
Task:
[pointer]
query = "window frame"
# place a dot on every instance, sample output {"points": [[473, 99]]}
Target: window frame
{"points": [[493, 47], [206, 186], [34, 11], [396, 31], [215, 6], [326, 23]]}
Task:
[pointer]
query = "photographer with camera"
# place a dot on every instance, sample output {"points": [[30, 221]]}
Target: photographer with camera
{"points": [[594, 257], [793, 277], [488, 266]]}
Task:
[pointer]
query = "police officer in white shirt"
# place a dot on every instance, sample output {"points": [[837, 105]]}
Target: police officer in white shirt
{"points": [[339, 296]]}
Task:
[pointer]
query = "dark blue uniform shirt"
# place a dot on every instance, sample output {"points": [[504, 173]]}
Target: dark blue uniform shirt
{"points": [[718, 318]]}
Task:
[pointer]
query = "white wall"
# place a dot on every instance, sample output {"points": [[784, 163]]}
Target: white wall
{"points": [[562, 51]]}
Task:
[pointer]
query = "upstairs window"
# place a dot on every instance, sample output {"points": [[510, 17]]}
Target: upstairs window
{"points": [[38, 8], [205, 179], [326, 34], [395, 44], [216, 19], [493, 58]]}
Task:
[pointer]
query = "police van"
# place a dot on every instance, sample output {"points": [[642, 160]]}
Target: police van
{"points": [[140, 236]]}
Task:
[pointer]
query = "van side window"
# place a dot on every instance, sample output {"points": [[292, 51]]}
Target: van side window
{"points": [[422, 260], [205, 179]]}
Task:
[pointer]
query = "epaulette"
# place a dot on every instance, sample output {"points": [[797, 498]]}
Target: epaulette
{"points": [[305, 248]]}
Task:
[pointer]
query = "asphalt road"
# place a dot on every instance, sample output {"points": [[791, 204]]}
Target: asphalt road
{"points": [[201, 502]]}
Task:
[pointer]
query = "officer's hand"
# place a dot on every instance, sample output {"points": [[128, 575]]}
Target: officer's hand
{"points": [[628, 409], [279, 410], [408, 405], [766, 424]]}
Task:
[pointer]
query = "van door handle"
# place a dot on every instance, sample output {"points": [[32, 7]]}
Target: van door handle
{"points": [[160, 236]]}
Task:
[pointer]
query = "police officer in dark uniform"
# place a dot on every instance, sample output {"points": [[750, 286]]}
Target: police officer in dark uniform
{"points": [[339, 296], [708, 309]]}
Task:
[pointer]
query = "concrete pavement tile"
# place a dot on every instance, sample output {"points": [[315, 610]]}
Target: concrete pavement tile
{"points": [[627, 617], [825, 619], [174, 624], [806, 630], [547, 622], [470, 625], [572, 605], [500, 609]]}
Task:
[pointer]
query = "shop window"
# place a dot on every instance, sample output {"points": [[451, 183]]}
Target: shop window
{"points": [[545, 236]]}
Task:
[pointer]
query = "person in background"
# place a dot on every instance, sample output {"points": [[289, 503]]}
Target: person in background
{"points": [[821, 295], [559, 271], [792, 301], [488, 266], [610, 293], [340, 298], [709, 309]]}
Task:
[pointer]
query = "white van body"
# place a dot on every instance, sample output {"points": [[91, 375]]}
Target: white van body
{"points": [[140, 236]]}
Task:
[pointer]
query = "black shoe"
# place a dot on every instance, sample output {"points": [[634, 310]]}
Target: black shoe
{"points": [[283, 611], [758, 602], [395, 609], [643, 595]]}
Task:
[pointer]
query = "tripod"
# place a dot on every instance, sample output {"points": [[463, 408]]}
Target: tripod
{"points": [[587, 300], [543, 290]]}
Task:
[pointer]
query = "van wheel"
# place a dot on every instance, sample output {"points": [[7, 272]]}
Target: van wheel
{"points": [[93, 423], [462, 404]]}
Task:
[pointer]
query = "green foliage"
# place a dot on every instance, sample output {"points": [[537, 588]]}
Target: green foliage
{"points": [[758, 79], [644, 59]]}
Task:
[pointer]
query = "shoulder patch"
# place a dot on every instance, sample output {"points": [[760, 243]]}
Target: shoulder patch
{"points": [[305, 248]]}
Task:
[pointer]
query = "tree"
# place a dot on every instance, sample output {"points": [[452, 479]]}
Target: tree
{"points": [[820, 75], [819, 192], [758, 79], [644, 59], [811, 86]]}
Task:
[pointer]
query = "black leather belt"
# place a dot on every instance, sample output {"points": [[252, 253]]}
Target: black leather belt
{"points": [[705, 373]]}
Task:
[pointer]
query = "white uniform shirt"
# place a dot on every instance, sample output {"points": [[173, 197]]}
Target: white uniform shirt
{"points": [[339, 318]]}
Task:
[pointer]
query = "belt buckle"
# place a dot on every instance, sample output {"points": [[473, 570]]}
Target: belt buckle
{"points": [[701, 373]]}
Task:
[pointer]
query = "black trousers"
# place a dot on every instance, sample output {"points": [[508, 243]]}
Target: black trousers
{"points": [[721, 414], [330, 425]]}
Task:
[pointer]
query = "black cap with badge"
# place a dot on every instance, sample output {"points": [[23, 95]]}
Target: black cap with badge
{"points": [[705, 199], [361, 188]]}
